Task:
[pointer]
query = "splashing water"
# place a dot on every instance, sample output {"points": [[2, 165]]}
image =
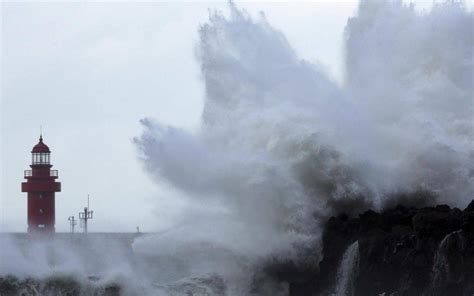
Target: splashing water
{"points": [[281, 143], [347, 271]]}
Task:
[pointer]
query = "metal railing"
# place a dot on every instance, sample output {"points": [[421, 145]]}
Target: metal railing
{"points": [[52, 173]]}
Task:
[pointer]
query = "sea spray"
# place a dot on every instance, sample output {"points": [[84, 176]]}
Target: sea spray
{"points": [[281, 146]]}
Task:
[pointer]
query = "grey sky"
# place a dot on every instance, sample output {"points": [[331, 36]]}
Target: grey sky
{"points": [[88, 72]]}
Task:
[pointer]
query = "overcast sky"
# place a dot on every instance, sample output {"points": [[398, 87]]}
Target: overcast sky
{"points": [[88, 72]]}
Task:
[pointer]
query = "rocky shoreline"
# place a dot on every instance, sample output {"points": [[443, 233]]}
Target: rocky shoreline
{"points": [[402, 251]]}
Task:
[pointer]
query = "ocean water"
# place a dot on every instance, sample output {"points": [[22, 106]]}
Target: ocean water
{"points": [[112, 264], [93, 264]]}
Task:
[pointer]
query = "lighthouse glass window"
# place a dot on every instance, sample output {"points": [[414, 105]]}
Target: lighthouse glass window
{"points": [[40, 158]]}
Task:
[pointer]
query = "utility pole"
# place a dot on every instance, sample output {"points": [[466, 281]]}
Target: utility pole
{"points": [[86, 215], [72, 223]]}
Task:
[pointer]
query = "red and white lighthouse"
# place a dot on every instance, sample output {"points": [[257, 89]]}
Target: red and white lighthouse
{"points": [[41, 186]]}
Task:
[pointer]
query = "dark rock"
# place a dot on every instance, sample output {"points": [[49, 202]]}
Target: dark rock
{"points": [[470, 207], [402, 251]]}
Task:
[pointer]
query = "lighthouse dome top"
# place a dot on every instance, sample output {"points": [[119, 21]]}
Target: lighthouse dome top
{"points": [[40, 147]]}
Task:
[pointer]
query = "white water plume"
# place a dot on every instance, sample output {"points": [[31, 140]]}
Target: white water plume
{"points": [[281, 143]]}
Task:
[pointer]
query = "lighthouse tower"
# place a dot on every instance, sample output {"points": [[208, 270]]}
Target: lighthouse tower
{"points": [[41, 185]]}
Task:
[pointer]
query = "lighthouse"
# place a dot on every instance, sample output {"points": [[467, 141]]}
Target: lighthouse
{"points": [[41, 186]]}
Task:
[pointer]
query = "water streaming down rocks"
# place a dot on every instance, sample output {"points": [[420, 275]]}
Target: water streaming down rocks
{"points": [[440, 268], [448, 260], [347, 271]]}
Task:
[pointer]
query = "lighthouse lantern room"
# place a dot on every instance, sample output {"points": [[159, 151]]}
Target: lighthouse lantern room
{"points": [[41, 186]]}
